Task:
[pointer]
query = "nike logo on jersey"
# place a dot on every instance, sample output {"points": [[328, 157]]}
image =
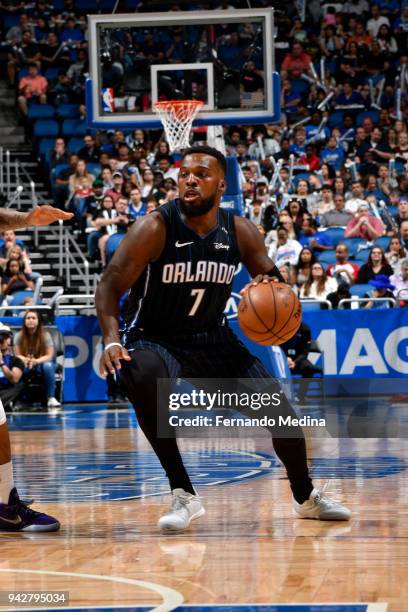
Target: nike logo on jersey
{"points": [[219, 245], [181, 244]]}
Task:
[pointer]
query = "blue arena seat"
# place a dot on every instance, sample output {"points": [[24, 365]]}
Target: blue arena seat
{"points": [[106, 6], [361, 256], [335, 119], [335, 234], [51, 73], [372, 114], [74, 127], [68, 111], [46, 145], [40, 111], [94, 168], [113, 243], [352, 244], [45, 128], [312, 306], [56, 171], [360, 289], [393, 210], [383, 242], [327, 257], [75, 144]]}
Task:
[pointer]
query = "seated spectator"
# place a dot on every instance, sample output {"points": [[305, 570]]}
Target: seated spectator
{"points": [[383, 288], [312, 238], [376, 265], [255, 212], [304, 265], [286, 221], [297, 350], [283, 249], [18, 254], [118, 188], [400, 282], [395, 254], [164, 165], [34, 346], [251, 78], [349, 97], [343, 271], [137, 139], [60, 188], [339, 216], [290, 100], [310, 160], [342, 293], [385, 182], [33, 88], [324, 202], [404, 234], [318, 285], [137, 205], [269, 145], [306, 199], [296, 212], [80, 187], [91, 204], [402, 214], [14, 281], [59, 154], [103, 222], [333, 154], [363, 225], [26, 53], [108, 221], [11, 370], [372, 190], [90, 152], [356, 198], [295, 63], [9, 240]]}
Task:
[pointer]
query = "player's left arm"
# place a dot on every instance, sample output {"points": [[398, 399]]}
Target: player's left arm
{"points": [[253, 252], [39, 215]]}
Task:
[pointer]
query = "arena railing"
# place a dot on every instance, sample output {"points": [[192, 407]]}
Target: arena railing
{"points": [[353, 300], [326, 303], [78, 302]]}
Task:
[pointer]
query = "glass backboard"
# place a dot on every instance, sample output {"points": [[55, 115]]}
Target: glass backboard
{"points": [[224, 58]]}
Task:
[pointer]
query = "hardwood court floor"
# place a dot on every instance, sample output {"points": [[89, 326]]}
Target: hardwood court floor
{"points": [[93, 469]]}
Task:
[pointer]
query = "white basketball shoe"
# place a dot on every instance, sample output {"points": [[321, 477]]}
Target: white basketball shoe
{"points": [[184, 508], [319, 506]]}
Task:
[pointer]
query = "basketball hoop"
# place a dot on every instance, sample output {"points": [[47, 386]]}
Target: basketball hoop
{"points": [[177, 117]]}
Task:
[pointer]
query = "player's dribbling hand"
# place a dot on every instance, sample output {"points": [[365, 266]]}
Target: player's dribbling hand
{"points": [[261, 278], [111, 358]]}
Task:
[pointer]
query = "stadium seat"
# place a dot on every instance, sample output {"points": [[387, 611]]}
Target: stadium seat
{"points": [[74, 127], [393, 210], [302, 176], [112, 244], [312, 306], [372, 114], [46, 128], [335, 119], [9, 21], [68, 111], [40, 111], [335, 234], [131, 4], [360, 289], [75, 144], [352, 244], [361, 256], [51, 73], [383, 242], [299, 86], [45, 147], [56, 171], [106, 6], [94, 169], [327, 257], [88, 6]]}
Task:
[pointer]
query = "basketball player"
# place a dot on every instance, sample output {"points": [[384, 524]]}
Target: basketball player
{"points": [[179, 263], [15, 515]]}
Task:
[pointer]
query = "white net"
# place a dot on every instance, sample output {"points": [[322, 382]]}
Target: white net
{"points": [[177, 117]]}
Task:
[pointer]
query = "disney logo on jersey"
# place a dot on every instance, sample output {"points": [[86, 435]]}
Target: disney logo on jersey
{"points": [[220, 245]]}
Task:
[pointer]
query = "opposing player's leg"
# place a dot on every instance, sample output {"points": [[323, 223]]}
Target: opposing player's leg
{"points": [[15, 515], [308, 501], [140, 378]]}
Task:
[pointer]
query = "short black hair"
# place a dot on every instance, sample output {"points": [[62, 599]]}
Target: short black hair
{"points": [[205, 150]]}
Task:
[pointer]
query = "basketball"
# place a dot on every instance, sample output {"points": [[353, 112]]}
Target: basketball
{"points": [[269, 313]]}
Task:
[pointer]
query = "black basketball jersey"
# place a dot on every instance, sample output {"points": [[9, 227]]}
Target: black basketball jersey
{"points": [[185, 291]]}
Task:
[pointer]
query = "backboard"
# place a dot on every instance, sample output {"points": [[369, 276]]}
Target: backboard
{"points": [[224, 58]]}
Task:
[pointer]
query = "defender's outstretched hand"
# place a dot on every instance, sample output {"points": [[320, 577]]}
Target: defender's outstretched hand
{"points": [[44, 215]]}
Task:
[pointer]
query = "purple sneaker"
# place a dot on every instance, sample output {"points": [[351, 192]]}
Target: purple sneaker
{"points": [[18, 516]]}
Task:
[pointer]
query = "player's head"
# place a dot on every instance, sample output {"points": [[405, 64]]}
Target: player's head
{"points": [[201, 180]]}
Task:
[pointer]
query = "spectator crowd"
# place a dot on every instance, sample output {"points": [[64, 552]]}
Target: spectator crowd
{"points": [[327, 186]]}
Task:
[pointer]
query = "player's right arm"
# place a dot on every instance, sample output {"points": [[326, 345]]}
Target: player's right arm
{"points": [[142, 245]]}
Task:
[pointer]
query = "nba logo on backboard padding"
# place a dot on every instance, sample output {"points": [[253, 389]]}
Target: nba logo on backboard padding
{"points": [[107, 100]]}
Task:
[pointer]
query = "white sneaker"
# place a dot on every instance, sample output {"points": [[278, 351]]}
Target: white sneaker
{"points": [[184, 508], [319, 506], [53, 402]]}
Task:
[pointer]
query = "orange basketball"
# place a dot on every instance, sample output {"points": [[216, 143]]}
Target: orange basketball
{"points": [[269, 313]]}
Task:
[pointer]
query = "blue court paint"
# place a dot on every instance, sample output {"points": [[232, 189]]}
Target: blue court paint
{"points": [[237, 608], [86, 476]]}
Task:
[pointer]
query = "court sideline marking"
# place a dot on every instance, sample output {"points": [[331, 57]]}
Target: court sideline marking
{"points": [[171, 598]]}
